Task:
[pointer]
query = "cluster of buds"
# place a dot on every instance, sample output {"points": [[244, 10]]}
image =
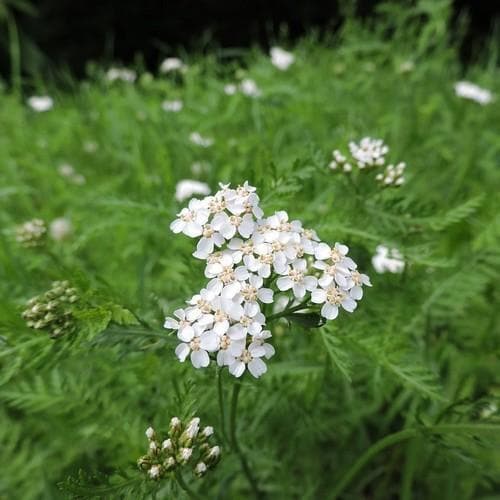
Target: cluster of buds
{"points": [[187, 446], [52, 310], [368, 154], [393, 175], [32, 233], [339, 162]]}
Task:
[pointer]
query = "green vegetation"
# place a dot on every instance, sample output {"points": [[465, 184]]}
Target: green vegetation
{"points": [[398, 400]]}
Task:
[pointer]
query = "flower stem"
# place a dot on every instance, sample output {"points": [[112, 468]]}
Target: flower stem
{"points": [[236, 447], [222, 413], [286, 312], [190, 493], [368, 455]]}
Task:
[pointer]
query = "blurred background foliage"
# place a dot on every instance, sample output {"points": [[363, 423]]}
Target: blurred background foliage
{"points": [[410, 383]]}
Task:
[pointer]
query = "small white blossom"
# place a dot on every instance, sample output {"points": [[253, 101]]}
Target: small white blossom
{"points": [[297, 280], [198, 347], [172, 106], [473, 92], [167, 445], [249, 358], [186, 188], [207, 431], [199, 140], [200, 469], [154, 472], [60, 228], [388, 260], [150, 432], [249, 88], [185, 454], [40, 103], [191, 219], [123, 74], [393, 175], [172, 64], [230, 89], [281, 58], [332, 298]]}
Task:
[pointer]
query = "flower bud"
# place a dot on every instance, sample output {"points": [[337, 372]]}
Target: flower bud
{"points": [[175, 426], [155, 472], [144, 462], [150, 433], [169, 463], [207, 431], [200, 469], [167, 445], [213, 456], [185, 455]]}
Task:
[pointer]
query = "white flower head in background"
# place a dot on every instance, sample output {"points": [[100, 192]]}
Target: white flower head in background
{"points": [[474, 92], [172, 106], [406, 66], [230, 89], [186, 188], [249, 88], [122, 74], [67, 171], [281, 58], [199, 140], [41, 103], [31, 233], [369, 152], [388, 260], [252, 262], [60, 228], [90, 147], [171, 64], [393, 175]]}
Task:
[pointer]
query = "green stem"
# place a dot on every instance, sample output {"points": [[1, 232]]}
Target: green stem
{"points": [[287, 312], [15, 54], [236, 447], [220, 394], [190, 493], [385, 442]]}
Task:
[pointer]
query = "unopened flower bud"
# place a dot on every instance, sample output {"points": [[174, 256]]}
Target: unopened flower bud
{"points": [[153, 446], [207, 431], [175, 426], [167, 445], [169, 463], [144, 463], [150, 432], [155, 471], [200, 469], [185, 455], [213, 456]]}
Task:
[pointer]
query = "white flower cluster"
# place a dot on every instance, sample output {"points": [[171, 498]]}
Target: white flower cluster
{"points": [[281, 58], [199, 140], [122, 74], [40, 103], [388, 260], [246, 255], [172, 106], [393, 175], [247, 87], [171, 64], [186, 188], [31, 233], [473, 92], [369, 153]]}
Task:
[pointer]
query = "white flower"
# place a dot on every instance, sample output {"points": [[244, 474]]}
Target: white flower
{"points": [[281, 58], [186, 188], [150, 432], [40, 103], [250, 358], [388, 260], [369, 152], [336, 255], [199, 347], [249, 88], [259, 339], [172, 106], [123, 74], [185, 454], [155, 471], [200, 469], [332, 297], [228, 226], [60, 228], [167, 445], [229, 349], [249, 323], [252, 291], [356, 281], [297, 280], [199, 140], [172, 64], [471, 91], [406, 66], [225, 277], [192, 428], [184, 326], [339, 161], [191, 219], [230, 89]]}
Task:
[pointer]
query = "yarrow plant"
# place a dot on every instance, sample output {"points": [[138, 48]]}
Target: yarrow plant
{"points": [[388, 260], [251, 261], [366, 155], [187, 446], [31, 233]]}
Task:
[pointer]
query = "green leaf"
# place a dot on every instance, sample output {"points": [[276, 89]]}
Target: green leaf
{"points": [[122, 316], [93, 321]]}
